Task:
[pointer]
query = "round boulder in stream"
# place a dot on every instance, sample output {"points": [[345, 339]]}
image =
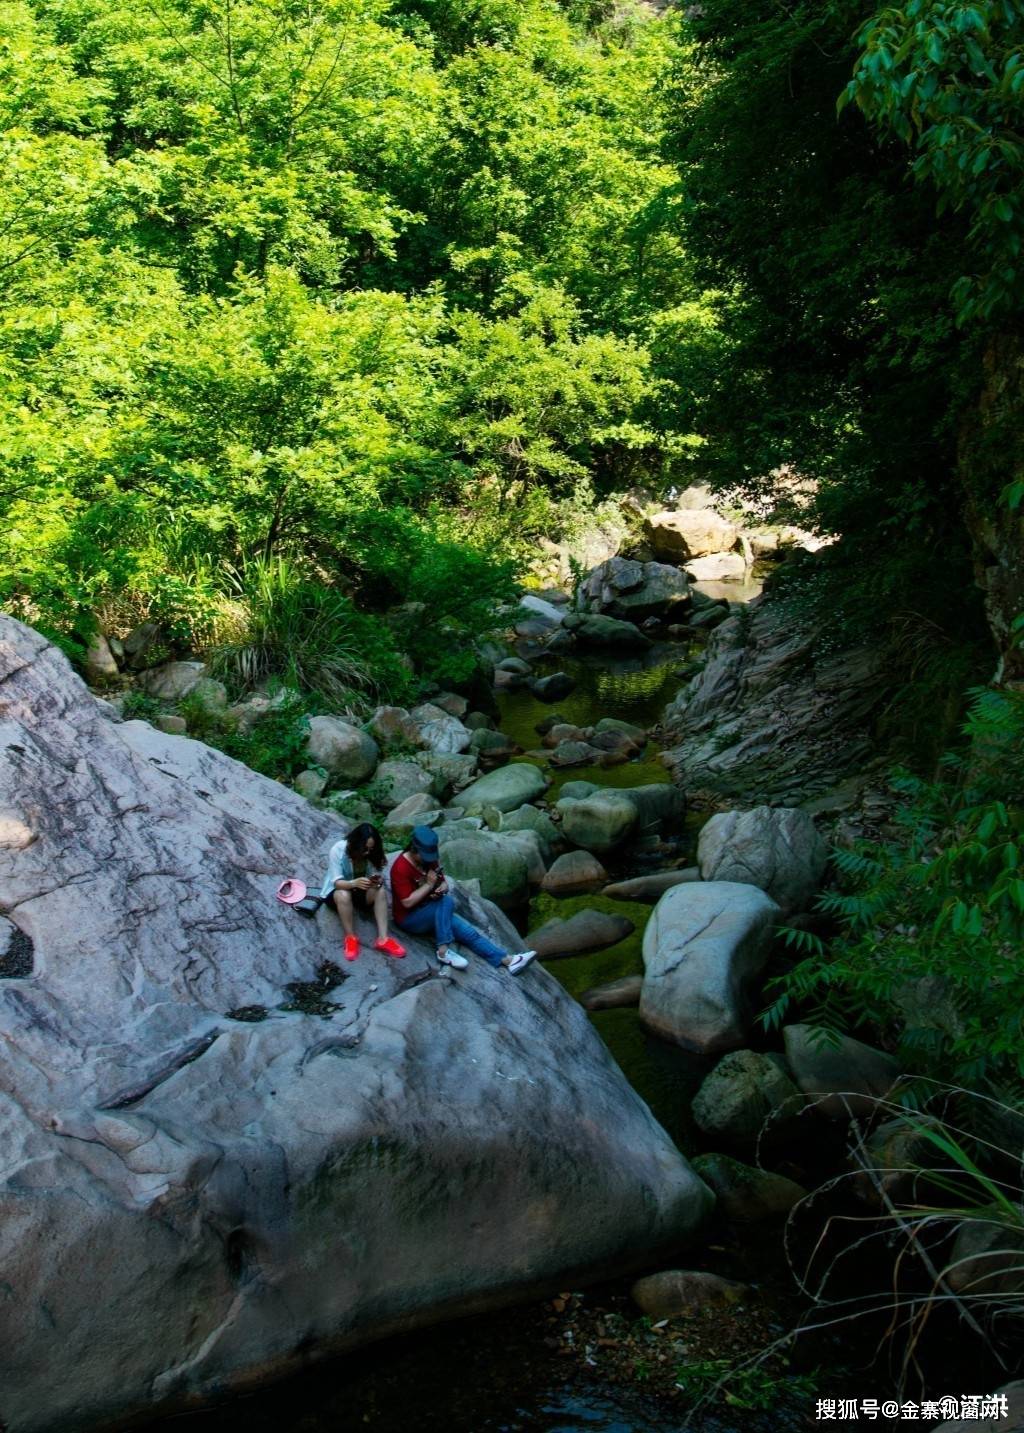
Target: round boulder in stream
{"points": [[776, 848], [686, 1291], [591, 630], [506, 789], [651, 888], [746, 1193], [745, 1095], [575, 874], [704, 947], [600, 818], [341, 748], [582, 933], [841, 1076], [530, 818], [193, 1203], [501, 867], [597, 822], [614, 994], [553, 688]]}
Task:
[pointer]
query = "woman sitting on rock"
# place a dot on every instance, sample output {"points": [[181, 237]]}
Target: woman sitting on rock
{"points": [[424, 905], [355, 881]]}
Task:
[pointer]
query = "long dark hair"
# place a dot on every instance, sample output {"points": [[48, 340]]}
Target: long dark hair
{"points": [[358, 845]]}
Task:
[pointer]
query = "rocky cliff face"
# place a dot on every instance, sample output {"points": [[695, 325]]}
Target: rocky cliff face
{"points": [[190, 1202], [769, 719]]}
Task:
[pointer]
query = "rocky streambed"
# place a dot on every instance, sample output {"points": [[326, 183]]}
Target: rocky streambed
{"points": [[227, 1158]]}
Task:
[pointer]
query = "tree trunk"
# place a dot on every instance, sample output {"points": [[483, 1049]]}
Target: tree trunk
{"points": [[990, 458]]}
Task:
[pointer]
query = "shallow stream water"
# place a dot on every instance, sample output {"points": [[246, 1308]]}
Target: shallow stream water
{"points": [[635, 690]]}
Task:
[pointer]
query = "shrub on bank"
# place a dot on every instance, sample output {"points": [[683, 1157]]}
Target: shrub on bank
{"points": [[932, 924]]}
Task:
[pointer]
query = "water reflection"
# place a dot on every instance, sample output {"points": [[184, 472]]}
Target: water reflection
{"points": [[618, 688]]}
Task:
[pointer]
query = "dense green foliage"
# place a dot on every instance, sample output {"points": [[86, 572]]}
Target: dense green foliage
{"points": [[843, 359], [865, 269], [367, 285], [312, 314], [948, 79], [932, 923], [383, 286]]}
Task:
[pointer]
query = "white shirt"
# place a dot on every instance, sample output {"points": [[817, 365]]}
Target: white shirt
{"points": [[339, 867]]}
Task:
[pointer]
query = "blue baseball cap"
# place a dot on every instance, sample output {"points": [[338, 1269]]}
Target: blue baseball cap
{"points": [[424, 842]]}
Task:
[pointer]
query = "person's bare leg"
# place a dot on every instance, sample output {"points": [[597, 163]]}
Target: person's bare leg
{"points": [[380, 912], [343, 905]]}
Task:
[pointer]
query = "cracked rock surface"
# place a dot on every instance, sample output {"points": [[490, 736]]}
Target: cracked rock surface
{"points": [[772, 718], [191, 1203]]}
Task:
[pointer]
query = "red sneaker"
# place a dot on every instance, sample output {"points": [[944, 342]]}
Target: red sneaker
{"points": [[351, 947], [390, 945]]}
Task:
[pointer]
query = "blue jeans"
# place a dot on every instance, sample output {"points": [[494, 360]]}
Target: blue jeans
{"points": [[438, 917]]}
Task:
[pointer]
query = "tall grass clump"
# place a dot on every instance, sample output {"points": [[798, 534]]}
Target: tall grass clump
{"points": [[934, 1242], [307, 636]]}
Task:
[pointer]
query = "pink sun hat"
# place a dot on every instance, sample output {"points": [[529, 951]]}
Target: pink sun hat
{"points": [[291, 891]]}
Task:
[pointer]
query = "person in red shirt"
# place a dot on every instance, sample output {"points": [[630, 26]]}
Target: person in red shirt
{"points": [[422, 904]]}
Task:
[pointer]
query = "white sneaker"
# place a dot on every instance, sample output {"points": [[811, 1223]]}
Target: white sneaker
{"points": [[519, 962], [453, 958]]}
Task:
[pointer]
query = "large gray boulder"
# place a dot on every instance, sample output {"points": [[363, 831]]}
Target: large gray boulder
{"points": [[191, 1202], [601, 818], [341, 748], [635, 590], [775, 848], [501, 868], [745, 1095], [593, 630], [841, 1075], [506, 789], [704, 947], [396, 781], [691, 532], [598, 822], [440, 731], [173, 680]]}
